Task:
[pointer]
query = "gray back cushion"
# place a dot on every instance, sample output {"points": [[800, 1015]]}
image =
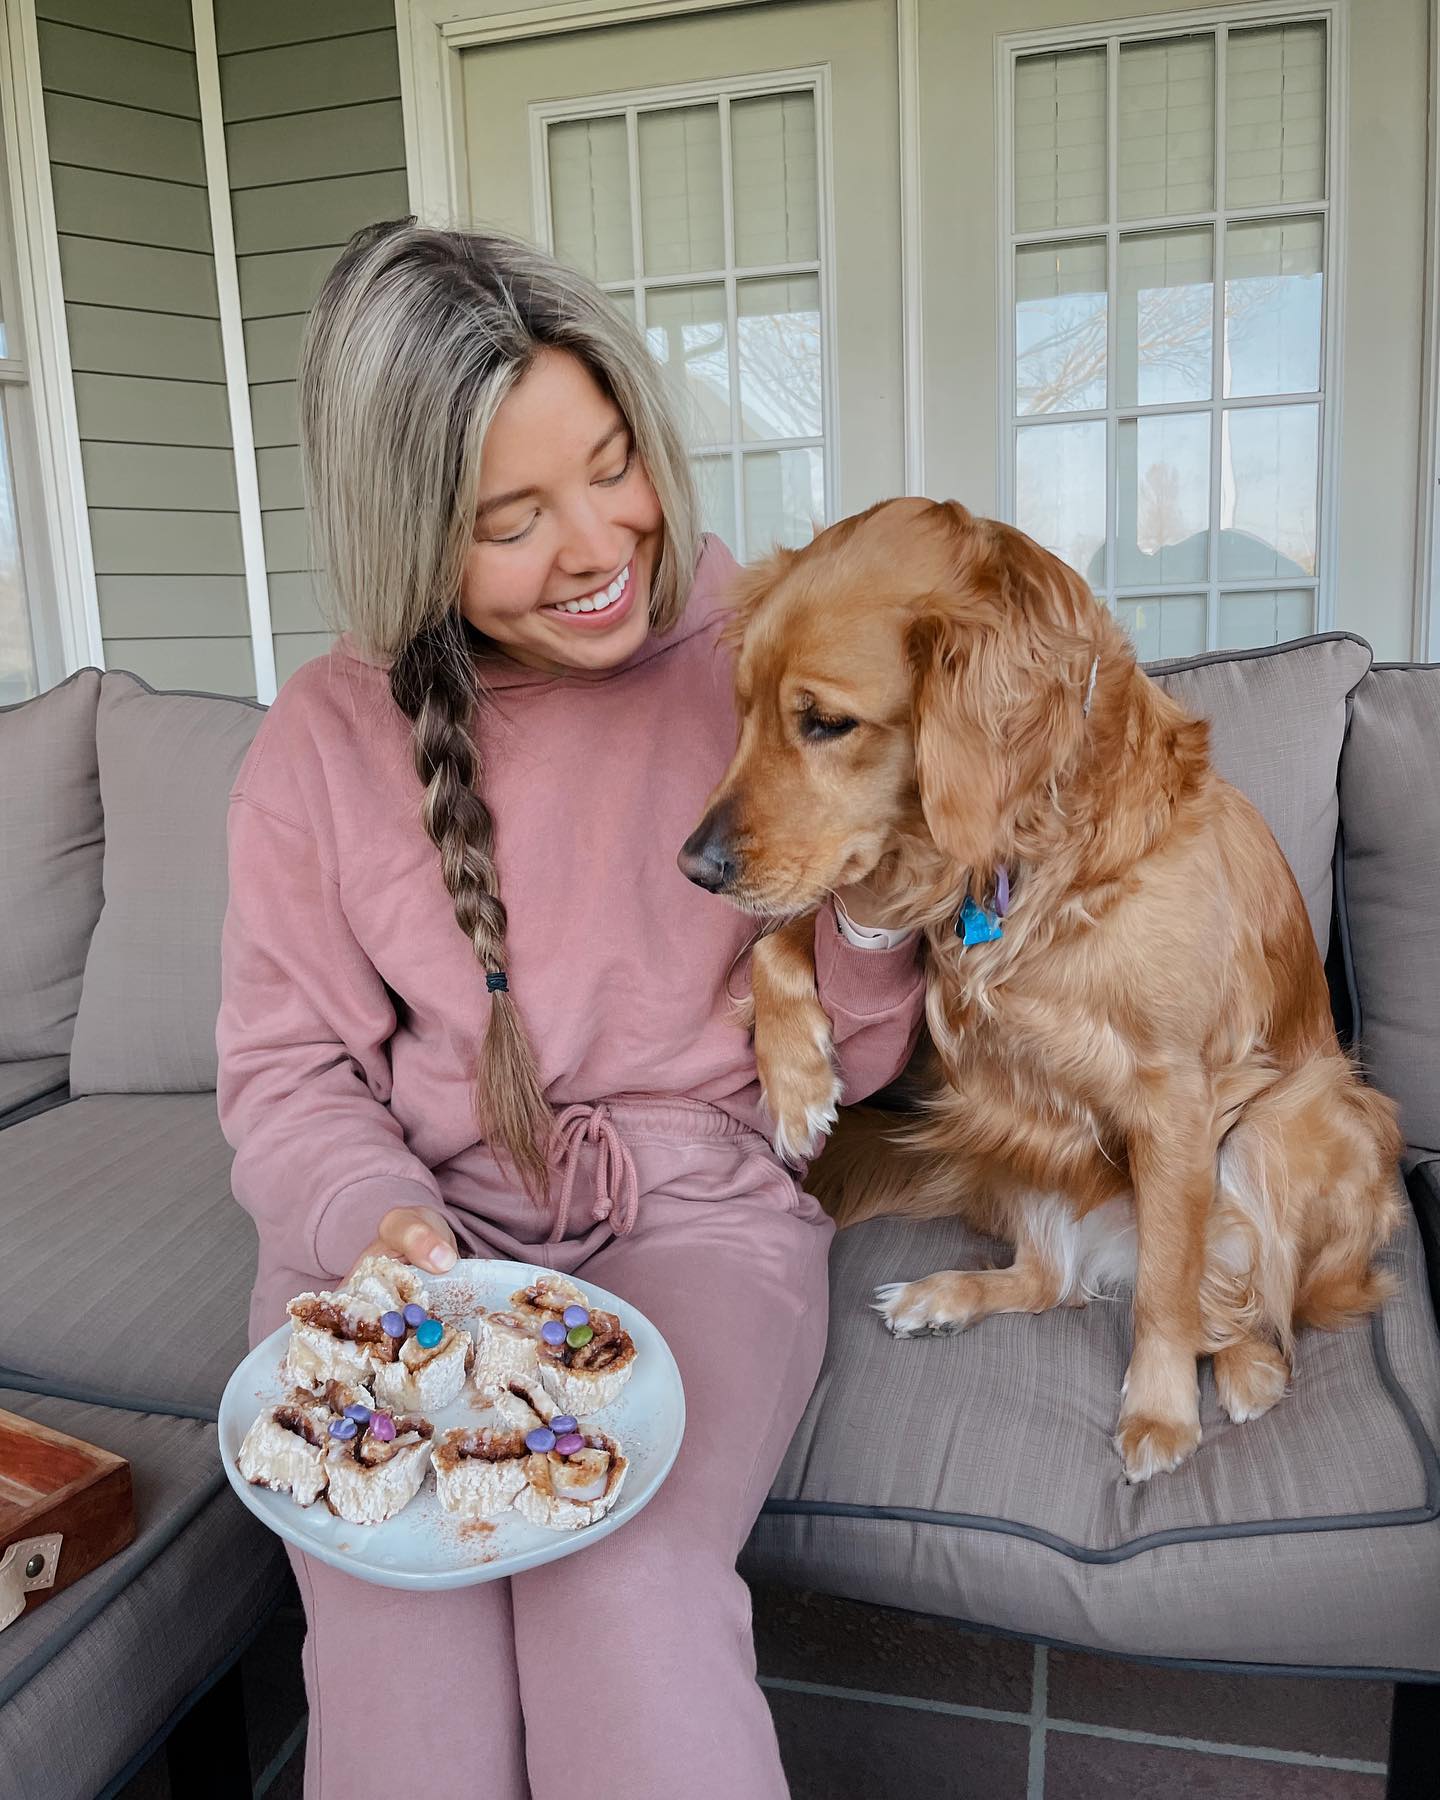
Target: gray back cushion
{"points": [[152, 979], [1277, 722], [50, 866], [1390, 873]]}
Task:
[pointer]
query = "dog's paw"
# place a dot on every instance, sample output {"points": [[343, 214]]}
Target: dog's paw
{"points": [[937, 1305], [1150, 1446], [801, 1090], [1249, 1379]]}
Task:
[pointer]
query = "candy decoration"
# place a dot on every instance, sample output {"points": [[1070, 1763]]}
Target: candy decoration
{"points": [[579, 1336], [541, 1439], [415, 1314], [575, 1315], [393, 1324], [382, 1427], [358, 1415], [553, 1332], [429, 1334], [570, 1443], [562, 1425], [343, 1429]]}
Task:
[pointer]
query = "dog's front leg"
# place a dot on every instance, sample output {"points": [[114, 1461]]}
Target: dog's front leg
{"points": [[1173, 1174], [793, 1049]]}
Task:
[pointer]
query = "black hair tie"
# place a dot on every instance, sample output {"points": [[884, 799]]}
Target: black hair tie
{"points": [[497, 981]]}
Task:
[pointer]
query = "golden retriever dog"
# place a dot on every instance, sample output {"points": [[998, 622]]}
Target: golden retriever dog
{"points": [[1134, 1076]]}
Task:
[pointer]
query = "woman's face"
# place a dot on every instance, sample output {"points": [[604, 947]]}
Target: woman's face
{"points": [[567, 525]]}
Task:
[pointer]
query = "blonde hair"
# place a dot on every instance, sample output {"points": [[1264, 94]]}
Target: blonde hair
{"points": [[415, 339]]}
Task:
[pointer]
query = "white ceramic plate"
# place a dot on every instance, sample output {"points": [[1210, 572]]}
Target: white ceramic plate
{"points": [[425, 1548]]}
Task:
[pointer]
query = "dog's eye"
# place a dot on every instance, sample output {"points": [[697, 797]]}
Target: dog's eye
{"points": [[817, 726]]}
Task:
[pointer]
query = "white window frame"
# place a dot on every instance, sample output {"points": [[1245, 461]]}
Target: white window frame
{"points": [[49, 476], [1109, 35], [722, 91]]}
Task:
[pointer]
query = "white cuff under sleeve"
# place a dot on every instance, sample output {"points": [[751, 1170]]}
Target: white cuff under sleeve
{"points": [[868, 937]]}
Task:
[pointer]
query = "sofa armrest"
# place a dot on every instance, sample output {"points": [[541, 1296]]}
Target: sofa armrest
{"points": [[1423, 1183]]}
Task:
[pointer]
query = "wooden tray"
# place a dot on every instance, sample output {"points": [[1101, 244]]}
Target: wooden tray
{"points": [[53, 1486]]}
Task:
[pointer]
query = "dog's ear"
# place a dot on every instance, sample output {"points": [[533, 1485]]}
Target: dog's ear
{"points": [[957, 763], [999, 666]]}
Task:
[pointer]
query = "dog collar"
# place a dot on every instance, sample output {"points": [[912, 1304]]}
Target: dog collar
{"points": [[977, 924]]}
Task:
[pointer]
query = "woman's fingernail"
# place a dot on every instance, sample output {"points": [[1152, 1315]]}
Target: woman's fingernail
{"points": [[442, 1257]]}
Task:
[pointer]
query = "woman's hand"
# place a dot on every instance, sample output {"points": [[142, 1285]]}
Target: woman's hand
{"points": [[415, 1234]]}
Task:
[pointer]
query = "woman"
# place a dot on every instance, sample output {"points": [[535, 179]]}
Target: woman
{"points": [[470, 1004]]}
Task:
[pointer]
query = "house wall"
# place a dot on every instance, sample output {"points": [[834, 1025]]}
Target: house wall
{"points": [[316, 148], [122, 116]]}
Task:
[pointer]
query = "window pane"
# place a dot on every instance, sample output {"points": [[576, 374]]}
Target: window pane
{"points": [[685, 329], [1166, 322], [784, 497], [1166, 153], [1273, 286], [1248, 620], [778, 322], [1164, 624], [715, 484], [1275, 115], [17, 651], [682, 219], [1162, 500], [590, 196], [1060, 492], [772, 166], [1269, 461], [1060, 327], [1060, 176], [623, 300]]}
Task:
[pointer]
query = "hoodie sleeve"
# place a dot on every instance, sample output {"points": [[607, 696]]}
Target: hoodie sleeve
{"points": [[874, 1000], [303, 1032]]}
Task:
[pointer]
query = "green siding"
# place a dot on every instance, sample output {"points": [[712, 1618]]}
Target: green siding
{"points": [[128, 173], [150, 21], [138, 276], [316, 148], [297, 78]]}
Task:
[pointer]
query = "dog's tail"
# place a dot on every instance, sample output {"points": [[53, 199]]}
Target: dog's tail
{"points": [[870, 1167]]}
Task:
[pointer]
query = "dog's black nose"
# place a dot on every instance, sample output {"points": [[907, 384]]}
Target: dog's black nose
{"points": [[707, 858]]}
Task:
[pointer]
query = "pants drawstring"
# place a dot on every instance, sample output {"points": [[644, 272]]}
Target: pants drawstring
{"points": [[617, 1189]]}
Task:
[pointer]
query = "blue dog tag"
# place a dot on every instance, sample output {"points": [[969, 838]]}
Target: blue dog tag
{"points": [[977, 924]]}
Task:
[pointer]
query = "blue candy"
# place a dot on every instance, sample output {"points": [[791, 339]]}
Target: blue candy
{"points": [[393, 1324], [415, 1315], [428, 1335]]}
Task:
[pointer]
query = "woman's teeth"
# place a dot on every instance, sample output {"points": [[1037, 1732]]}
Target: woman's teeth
{"points": [[593, 603]]}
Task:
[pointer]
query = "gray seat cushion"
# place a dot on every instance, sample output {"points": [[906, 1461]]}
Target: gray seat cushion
{"points": [[87, 1679], [128, 1265], [1390, 887], [974, 1476], [50, 869], [146, 1020], [22, 1082], [1277, 722]]}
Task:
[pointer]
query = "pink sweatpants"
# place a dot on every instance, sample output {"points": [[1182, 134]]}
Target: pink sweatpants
{"points": [[626, 1671]]}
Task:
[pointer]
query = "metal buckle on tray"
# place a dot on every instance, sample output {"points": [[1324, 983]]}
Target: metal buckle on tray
{"points": [[25, 1566]]}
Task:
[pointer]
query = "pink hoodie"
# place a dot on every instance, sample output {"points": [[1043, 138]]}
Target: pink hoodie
{"points": [[353, 1008]]}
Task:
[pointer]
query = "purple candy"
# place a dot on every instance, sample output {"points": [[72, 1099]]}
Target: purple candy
{"points": [[343, 1428], [360, 1414], [553, 1332], [570, 1443], [382, 1427], [393, 1324], [575, 1315], [414, 1315], [563, 1423], [542, 1438]]}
